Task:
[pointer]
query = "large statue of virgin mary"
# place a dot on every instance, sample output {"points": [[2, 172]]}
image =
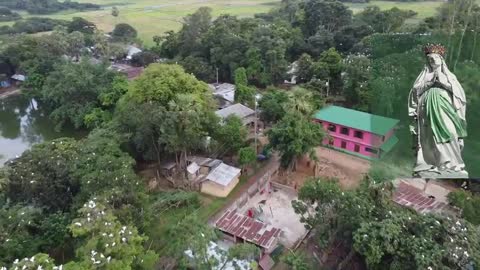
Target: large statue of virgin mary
{"points": [[437, 103]]}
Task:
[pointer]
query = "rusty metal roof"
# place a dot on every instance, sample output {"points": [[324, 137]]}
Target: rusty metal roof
{"points": [[249, 229]]}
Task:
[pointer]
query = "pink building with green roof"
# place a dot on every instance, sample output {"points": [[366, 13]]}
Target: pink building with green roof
{"points": [[362, 134]]}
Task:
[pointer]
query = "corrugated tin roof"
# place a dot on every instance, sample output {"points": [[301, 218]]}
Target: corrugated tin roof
{"points": [[225, 91], [236, 109], [193, 168], [249, 229], [355, 119], [223, 174], [19, 77], [203, 161]]}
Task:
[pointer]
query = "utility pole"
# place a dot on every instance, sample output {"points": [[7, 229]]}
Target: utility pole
{"points": [[328, 86], [256, 125]]}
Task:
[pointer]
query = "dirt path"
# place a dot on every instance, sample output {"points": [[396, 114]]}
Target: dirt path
{"points": [[9, 92], [348, 169]]}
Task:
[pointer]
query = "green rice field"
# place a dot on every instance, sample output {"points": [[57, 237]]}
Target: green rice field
{"points": [[154, 17]]}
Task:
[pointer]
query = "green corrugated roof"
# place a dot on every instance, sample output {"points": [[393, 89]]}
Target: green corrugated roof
{"points": [[388, 145], [355, 119]]}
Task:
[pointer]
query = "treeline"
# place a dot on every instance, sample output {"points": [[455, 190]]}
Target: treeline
{"points": [[46, 6], [32, 25], [7, 15], [318, 35]]}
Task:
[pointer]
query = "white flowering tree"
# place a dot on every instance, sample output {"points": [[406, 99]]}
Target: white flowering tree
{"points": [[38, 262], [108, 244]]}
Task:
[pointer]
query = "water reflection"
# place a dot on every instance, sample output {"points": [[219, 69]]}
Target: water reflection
{"points": [[23, 123]]}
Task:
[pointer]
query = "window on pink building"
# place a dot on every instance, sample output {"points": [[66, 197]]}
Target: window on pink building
{"points": [[358, 134], [370, 150], [357, 148], [344, 144], [332, 128], [344, 130]]}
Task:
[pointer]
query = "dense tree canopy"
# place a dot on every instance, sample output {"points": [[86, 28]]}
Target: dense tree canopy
{"points": [[295, 136], [386, 235], [167, 111], [75, 92], [46, 6], [124, 32]]}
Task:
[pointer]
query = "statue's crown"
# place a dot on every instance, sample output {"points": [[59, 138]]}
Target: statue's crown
{"points": [[434, 48]]}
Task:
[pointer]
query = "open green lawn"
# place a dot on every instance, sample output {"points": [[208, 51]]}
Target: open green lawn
{"points": [[154, 17]]}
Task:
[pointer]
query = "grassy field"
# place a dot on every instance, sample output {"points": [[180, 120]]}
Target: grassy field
{"points": [[424, 8], [154, 17]]}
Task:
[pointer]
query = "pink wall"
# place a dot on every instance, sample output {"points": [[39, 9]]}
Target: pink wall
{"points": [[369, 140]]}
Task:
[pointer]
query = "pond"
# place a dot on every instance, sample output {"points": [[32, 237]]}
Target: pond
{"points": [[24, 123]]}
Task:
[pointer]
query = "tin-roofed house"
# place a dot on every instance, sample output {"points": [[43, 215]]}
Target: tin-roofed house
{"points": [[246, 114], [221, 180], [359, 133], [224, 93]]}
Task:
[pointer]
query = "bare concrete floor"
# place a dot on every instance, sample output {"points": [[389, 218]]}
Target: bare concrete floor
{"points": [[277, 211]]}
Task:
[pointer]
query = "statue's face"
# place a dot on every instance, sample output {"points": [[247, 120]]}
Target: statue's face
{"points": [[434, 60]]}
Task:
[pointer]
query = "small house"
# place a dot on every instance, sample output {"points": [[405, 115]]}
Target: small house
{"points": [[193, 171], [131, 51], [246, 114], [359, 133], [221, 180], [206, 165], [18, 79], [224, 93]]}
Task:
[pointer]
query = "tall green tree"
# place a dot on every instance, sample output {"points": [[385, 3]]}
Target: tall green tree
{"points": [[305, 68], [356, 88], [246, 156], [240, 78], [231, 135], [73, 91], [385, 21], [294, 136], [330, 65], [194, 27], [272, 105], [167, 111], [124, 32], [330, 14]]}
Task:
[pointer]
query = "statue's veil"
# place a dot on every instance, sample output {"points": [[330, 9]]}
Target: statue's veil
{"points": [[459, 101]]}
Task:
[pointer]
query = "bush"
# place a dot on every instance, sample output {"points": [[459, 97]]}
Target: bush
{"points": [[7, 15], [468, 203], [124, 32], [32, 25], [177, 199]]}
